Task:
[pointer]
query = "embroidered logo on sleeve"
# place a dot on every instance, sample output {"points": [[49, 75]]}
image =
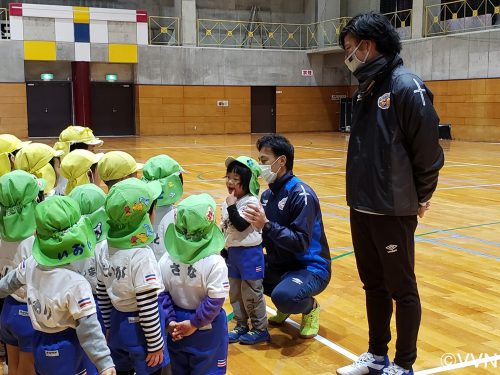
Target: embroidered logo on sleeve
{"points": [[84, 302], [225, 284], [221, 363], [150, 278], [281, 203], [384, 101], [258, 269]]}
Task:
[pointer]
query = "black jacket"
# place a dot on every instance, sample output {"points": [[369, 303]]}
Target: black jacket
{"points": [[394, 156]]}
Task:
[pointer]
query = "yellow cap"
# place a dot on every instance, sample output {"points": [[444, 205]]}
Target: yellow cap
{"points": [[75, 166], [115, 165], [10, 143], [4, 163], [76, 134], [34, 158]]}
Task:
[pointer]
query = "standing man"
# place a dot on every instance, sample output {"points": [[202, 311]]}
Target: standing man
{"points": [[393, 162], [298, 264]]}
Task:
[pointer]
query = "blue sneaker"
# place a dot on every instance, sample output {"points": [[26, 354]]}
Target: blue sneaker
{"points": [[255, 336], [236, 333], [365, 364], [394, 369]]}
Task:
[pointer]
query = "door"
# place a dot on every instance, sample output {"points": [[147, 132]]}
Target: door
{"points": [[263, 109], [49, 108], [112, 108]]}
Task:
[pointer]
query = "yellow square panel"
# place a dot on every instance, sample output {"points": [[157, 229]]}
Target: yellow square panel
{"points": [[81, 15], [40, 51], [123, 53], [474, 13]]}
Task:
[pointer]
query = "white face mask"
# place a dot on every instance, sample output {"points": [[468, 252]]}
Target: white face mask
{"points": [[267, 174], [352, 61]]}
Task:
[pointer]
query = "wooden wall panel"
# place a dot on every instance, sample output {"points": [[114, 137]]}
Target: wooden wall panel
{"points": [[308, 108], [192, 110], [472, 107], [13, 109]]}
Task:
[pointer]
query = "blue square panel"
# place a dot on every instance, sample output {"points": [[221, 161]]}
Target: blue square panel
{"points": [[82, 32]]}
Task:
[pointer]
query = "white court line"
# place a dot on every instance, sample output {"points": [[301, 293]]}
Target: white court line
{"points": [[321, 148], [353, 357], [321, 339], [467, 186], [455, 366], [302, 174], [473, 164]]}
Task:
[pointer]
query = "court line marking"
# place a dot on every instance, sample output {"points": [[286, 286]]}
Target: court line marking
{"points": [[455, 366], [472, 164], [467, 186], [335, 347]]}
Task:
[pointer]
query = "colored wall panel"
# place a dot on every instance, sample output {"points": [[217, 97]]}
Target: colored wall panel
{"points": [[82, 33], [123, 53], [64, 30], [38, 50], [98, 31], [81, 14]]}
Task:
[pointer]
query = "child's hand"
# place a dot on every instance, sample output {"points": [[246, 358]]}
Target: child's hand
{"points": [[231, 199], [109, 371], [155, 358], [171, 327], [183, 329]]}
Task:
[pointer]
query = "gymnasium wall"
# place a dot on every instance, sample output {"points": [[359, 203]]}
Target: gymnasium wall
{"points": [[166, 110], [471, 106], [13, 110]]}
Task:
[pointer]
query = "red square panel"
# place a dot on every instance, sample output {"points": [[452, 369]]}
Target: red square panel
{"points": [[16, 9], [142, 16]]}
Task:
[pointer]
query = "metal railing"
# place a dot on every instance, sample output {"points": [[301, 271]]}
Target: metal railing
{"points": [[4, 24], [460, 16], [401, 20], [164, 30], [325, 33]]}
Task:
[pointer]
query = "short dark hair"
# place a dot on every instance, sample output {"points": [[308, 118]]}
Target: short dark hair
{"points": [[78, 146], [153, 206], [243, 171], [373, 26], [279, 146]]}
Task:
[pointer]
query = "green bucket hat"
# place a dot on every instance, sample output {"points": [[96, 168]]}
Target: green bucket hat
{"points": [[127, 206], [63, 235], [167, 171], [18, 193], [194, 235], [254, 167], [91, 200]]}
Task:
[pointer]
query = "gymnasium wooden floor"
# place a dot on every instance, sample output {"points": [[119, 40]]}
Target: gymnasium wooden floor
{"points": [[457, 261]]}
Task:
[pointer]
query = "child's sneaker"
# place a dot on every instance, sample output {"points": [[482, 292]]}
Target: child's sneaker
{"points": [[278, 319], [394, 369], [309, 326], [365, 364], [236, 333], [255, 336]]}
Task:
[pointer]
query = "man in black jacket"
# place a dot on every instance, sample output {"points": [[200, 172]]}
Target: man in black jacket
{"points": [[393, 162]]}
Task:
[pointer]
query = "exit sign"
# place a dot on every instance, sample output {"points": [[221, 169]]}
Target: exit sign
{"points": [[307, 73], [46, 76]]}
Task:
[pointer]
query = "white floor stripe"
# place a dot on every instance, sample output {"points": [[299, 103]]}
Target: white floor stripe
{"points": [[321, 339], [467, 186], [481, 361]]}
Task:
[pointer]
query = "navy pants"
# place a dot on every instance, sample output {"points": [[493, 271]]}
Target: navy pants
{"points": [[292, 292]]}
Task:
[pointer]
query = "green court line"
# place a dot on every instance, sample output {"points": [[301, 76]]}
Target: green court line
{"points": [[342, 255], [464, 227], [230, 316], [427, 233]]}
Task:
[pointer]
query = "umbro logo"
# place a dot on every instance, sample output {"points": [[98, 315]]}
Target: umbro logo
{"points": [[281, 203], [391, 249]]}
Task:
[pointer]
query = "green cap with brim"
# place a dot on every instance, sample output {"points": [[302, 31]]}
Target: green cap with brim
{"points": [[63, 235], [91, 200], [127, 206], [167, 171], [18, 198], [195, 234]]}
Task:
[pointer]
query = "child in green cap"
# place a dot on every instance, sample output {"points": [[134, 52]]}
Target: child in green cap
{"points": [[168, 172], [60, 302], [91, 200], [129, 282], [195, 276], [245, 257], [19, 195]]}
